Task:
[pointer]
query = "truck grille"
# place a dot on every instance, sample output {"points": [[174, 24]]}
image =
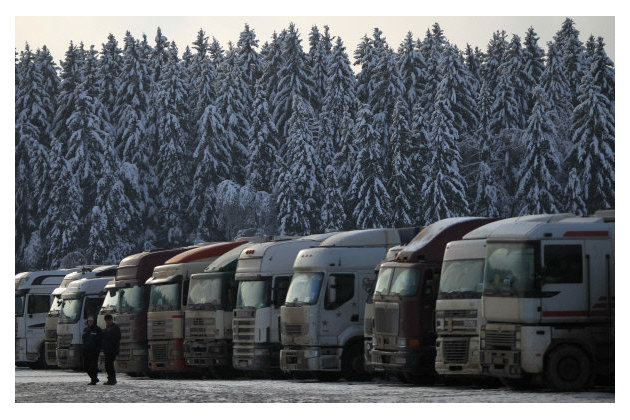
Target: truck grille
{"points": [[200, 327], [455, 350], [64, 340], [124, 353], [293, 329], [460, 313], [51, 351], [159, 352], [500, 340], [386, 319], [243, 332]]}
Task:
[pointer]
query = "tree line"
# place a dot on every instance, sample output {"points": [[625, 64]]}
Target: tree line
{"points": [[136, 147]]}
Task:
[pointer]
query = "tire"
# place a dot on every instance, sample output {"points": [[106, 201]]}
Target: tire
{"points": [[353, 363], [568, 368]]}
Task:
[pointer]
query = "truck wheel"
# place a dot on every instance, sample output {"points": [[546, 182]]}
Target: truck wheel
{"points": [[353, 363], [568, 369], [41, 363]]}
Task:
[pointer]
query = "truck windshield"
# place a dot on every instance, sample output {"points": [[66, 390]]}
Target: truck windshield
{"points": [[55, 307], [305, 288], [131, 299], [405, 282], [110, 303], [384, 280], [253, 293], [461, 279], [19, 305], [70, 310], [509, 269], [164, 297], [206, 291]]}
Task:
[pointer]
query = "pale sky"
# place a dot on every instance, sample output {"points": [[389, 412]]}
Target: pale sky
{"points": [[56, 32]]}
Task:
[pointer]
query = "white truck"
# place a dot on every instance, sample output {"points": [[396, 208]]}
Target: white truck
{"points": [[548, 301], [52, 318], [81, 299], [32, 303], [322, 318], [263, 274], [458, 315]]}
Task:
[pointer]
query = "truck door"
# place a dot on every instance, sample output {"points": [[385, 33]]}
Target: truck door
{"points": [[564, 289], [341, 309], [36, 310]]}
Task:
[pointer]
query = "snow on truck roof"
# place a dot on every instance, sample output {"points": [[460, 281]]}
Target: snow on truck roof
{"points": [[381, 238], [93, 285], [203, 252], [26, 280], [571, 227], [484, 231]]}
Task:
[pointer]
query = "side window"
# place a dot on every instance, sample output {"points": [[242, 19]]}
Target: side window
{"points": [[38, 304], [281, 289], [427, 286], [92, 306], [340, 290], [563, 264]]}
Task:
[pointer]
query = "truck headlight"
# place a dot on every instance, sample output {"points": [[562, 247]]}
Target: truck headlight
{"points": [[402, 342], [261, 352]]}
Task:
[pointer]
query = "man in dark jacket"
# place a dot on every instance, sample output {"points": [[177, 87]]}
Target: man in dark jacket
{"points": [[111, 345], [92, 341]]}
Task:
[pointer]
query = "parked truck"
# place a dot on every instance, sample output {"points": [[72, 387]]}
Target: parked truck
{"points": [[208, 315], [81, 299], [368, 321], [549, 302], [132, 302], [32, 303], [263, 273], [168, 296], [322, 320], [404, 335], [52, 317]]}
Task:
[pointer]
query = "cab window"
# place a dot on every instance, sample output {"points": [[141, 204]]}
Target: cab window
{"points": [[92, 306], [38, 304], [563, 264], [340, 290]]}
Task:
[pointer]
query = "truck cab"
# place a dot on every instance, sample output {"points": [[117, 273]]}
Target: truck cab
{"points": [[132, 302], [168, 296], [323, 316], [52, 318], [32, 303], [81, 299], [208, 314], [263, 273], [404, 301], [548, 301]]}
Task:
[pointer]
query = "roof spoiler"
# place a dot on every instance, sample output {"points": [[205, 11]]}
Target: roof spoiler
{"points": [[608, 215], [408, 233]]}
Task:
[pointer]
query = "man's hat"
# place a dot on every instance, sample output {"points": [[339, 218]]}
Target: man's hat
{"points": [[90, 318]]}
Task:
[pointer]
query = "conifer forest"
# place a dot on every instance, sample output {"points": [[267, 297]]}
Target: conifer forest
{"points": [[138, 144]]}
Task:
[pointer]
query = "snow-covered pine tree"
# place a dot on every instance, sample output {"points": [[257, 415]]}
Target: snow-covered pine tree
{"points": [[202, 80], [294, 79], [297, 190], [432, 49], [333, 215], [412, 67], [443, 189], [493, 58], [533, 64], [594, 140], [403, 181], [340, 95], [554, 83], [233, 108], [367, 192], [317, 58], [212, 161], [215, 51], [571, 49], [172, 168], [344, 161], [604, 72], [109, 67], [574, 194], [262, 157], [473, 60], [538, 190], [248, 60], [485, 189], [365, 58], [133, 145], [271, 63]]}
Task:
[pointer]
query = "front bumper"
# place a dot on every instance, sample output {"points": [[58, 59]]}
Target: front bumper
{"points": [[311, 359], [208, 353], [69, 357], [132, 358], [169, 359], [417, 361], [501, 363], [264, 357]]}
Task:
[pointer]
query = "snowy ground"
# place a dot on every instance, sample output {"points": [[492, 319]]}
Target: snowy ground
{"points": [[46, 386]]}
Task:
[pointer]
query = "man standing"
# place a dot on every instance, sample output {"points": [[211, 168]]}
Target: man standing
{"points": [[111, 345], [92, 340]]}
